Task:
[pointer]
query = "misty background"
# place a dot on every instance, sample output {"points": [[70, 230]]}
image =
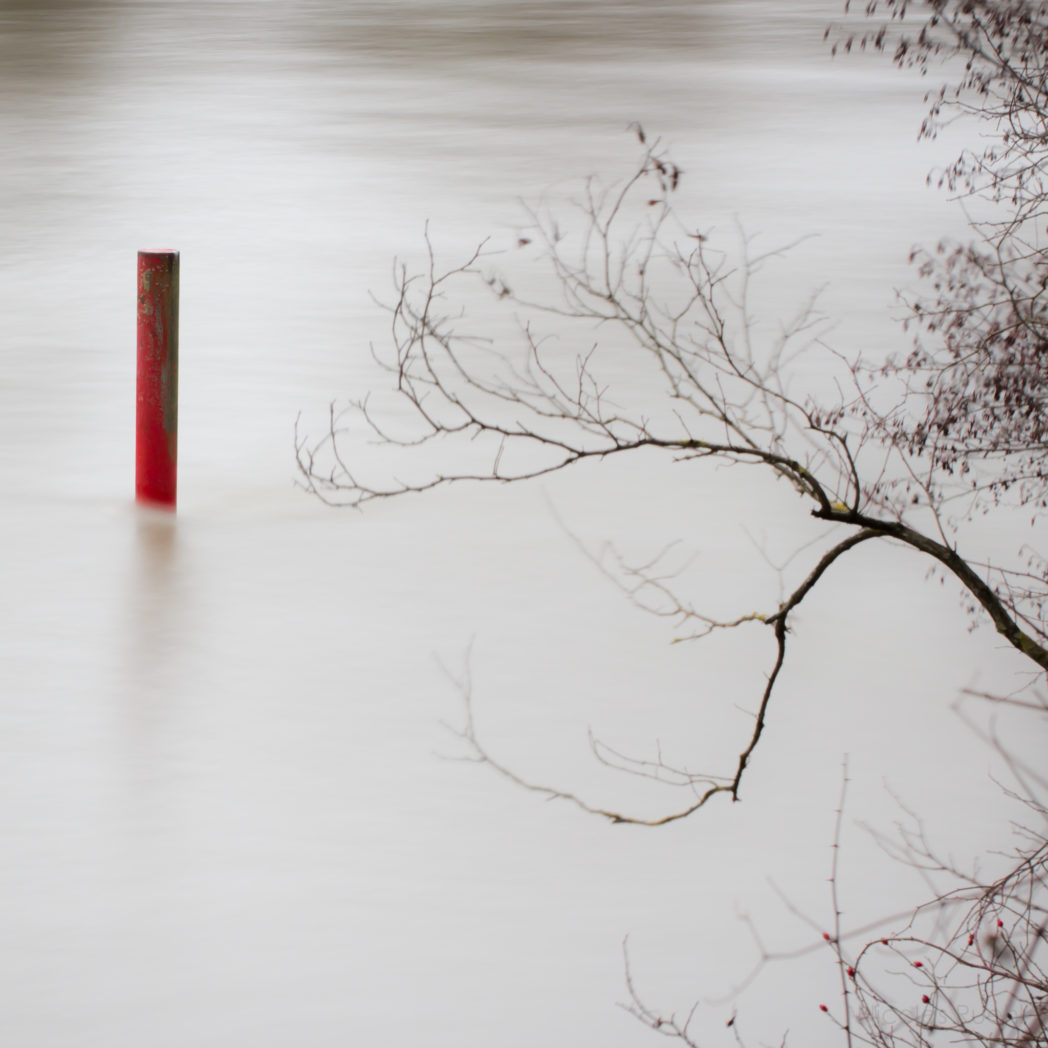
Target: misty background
{"points": [[227, 809]]}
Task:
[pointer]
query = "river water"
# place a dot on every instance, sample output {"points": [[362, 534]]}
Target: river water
{"points": [[227, 815]]}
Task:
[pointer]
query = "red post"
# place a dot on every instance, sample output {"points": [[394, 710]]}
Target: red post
{"points": [[156, 417]]}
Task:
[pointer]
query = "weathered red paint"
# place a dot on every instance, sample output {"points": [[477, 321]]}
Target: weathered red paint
{"points": [[156, 416]]}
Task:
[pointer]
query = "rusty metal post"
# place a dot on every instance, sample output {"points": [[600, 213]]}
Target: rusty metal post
{"points": [[156, 416]]}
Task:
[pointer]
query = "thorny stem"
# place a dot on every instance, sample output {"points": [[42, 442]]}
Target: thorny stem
{"points": [[842, 966]]}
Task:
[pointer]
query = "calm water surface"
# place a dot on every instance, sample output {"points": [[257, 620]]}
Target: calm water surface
{"points": [[223, 814]]}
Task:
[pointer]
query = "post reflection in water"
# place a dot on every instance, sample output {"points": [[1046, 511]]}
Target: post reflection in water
{"points": [[155, 616]]}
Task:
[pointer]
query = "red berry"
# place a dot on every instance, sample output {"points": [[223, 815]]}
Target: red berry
{"points": [[971, 939], [851, 973], [823, 1008], [826, 936], [1000, 924], [884, 942], [918, 964], [925, 999]]}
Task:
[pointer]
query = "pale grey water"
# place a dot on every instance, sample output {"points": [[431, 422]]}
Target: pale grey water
{"points": [[223, 818]]}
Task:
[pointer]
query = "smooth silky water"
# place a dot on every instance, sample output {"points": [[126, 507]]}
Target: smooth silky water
{"points": [[228, 813]]}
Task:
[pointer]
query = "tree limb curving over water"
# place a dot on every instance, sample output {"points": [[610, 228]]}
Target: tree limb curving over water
{"points": [[912, 449]]}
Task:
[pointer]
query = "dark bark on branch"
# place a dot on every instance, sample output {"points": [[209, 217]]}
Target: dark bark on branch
{"points": [[1005, 623], [627, 267]]}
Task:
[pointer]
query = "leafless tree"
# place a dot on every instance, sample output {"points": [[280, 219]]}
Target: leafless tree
{"points": [[966, 966], [905, 450], [632, 277]]}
